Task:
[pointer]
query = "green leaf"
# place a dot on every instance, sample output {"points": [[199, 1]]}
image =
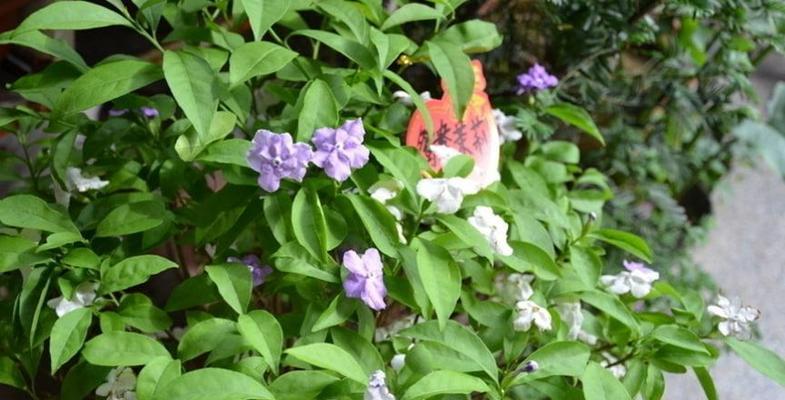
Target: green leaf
{"points": [[59, 239], [132, 218], [277, 207], [358, 346], [679, 337], [612, 306], [257, 59], [192, 143], [473, 36], [308, 223], [587, 265], [379, 223], [194, 291], [529, 257], [138, 311], [120, 348], [625, 241], [459, 338], [72, 15], [455, 68], [157, 373], [330, 357], [600, 384], [319, 110], [234, 282], [68, 335], [194, 86], [577, 117], [204, 336], [230, 151], [764, 360], [11, 374], [440, 277], [26, 211], [556, 359], [301, 385], [339, 310], [348, 14], [263, 332], [45, 44], [445, 382], [17, 252], [213, 384], [418, 101], [106, 82], [707, 383], [262, 14], [410, 13], [132, 271], [352, 49]]}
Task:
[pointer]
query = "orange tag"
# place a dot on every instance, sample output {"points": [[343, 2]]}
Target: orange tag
{"points": [[475, 135]]}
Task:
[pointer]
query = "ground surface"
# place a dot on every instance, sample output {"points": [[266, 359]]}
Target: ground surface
{"points": [[745, 253]]}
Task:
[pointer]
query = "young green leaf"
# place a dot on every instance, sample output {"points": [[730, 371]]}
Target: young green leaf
{"points": [[319, 110], [556, 359], [257, 59], [264, 333], [132, 271], [301, 385], [455, 68], [308, 223], [157, 373], [577, 117], [440, 277], [445, 382], [625, 241], [191, 144], [379, 223], [410, 13], [330, 357], [613, 307], [193, 84], [234, 282], [138, 311], [72, 15], [204, 336], [262, 14], [119, 348], [68, 335], [600, 384], [106, 82], [213, 384]]}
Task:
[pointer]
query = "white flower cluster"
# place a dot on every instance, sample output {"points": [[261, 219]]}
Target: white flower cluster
{"points": [[377, 387], [736, 319], [83, 296], [517, 287], [383, 192], [572, 315], [120, 385], [507, 126], [446, 193], [493, 228], [637, 279]]}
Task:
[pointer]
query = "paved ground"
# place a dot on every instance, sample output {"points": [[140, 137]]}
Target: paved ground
{"points": [[745, 253]]}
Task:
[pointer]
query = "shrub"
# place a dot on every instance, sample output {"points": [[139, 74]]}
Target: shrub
{"points": [[186, 247]]}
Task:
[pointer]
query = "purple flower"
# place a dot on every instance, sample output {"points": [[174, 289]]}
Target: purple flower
{"points": [[635, 266], [340, 150], [149, 112], [258, 271], [116, 113], [274, 156], [536, 78], [365, 278]]}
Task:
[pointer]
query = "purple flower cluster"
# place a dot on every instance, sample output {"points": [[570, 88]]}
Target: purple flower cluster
{"points": [[275, 156], [365, 278], [148, 112], [536, 78], [259, 272]]}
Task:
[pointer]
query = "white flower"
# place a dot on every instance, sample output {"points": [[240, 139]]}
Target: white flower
{"points": [[377, 387], [528, 312], [120, 384], [507, 125], [83, 296], [384, 191], [75, 180], [572, 315], [493, 227], [618, 370], [446, 193], [387, 332], [398, 362], [736, 319], [405, 99], [514, 287], [636, 280]]}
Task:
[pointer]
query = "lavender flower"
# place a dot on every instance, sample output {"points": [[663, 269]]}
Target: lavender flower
{"points": [[536, 78], [259, 272], [149, 112], [274, 156], [365, 278], [116, 113], [340, 150]]}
